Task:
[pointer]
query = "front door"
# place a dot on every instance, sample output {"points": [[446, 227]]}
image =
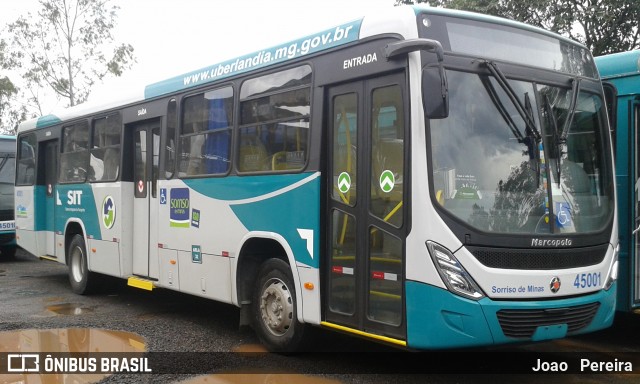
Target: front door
{"points": [[367, 220], [146, 147]]}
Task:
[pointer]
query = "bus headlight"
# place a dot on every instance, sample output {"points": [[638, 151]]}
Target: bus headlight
{"points": [[452, 273], [613, 272]]}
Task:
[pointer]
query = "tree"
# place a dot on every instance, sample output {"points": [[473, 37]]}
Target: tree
{"points": [[10, 114], [64, 48], [604, 26]]}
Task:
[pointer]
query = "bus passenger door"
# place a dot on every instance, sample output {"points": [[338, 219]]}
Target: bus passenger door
{"points": [[146, 147], [50, 149], [364, 273]]}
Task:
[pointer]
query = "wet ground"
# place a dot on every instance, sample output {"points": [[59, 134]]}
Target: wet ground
{"points": [[200, 341]]}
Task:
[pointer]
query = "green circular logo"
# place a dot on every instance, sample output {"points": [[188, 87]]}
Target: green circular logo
{"points": [[108, 212], [387, 181], [344, 182]]}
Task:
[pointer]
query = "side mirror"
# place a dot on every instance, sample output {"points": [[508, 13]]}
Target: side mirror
{"points": [[435, 92]]}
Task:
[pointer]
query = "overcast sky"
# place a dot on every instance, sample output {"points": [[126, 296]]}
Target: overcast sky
{"points": [[171, 37]]}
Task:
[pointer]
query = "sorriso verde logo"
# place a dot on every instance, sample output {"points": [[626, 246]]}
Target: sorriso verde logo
{"points": [[108, 212]]}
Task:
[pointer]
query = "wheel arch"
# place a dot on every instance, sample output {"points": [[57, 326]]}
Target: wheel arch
{"points": [[255, 249], [71, 228]]}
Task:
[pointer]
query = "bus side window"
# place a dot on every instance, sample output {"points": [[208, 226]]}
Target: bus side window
{"points": [[274, 120], [26, 160], [75, 153], [206, 133], [104, 159]]}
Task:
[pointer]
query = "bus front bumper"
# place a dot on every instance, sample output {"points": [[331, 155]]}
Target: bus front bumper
{"points": [[438, 319]]}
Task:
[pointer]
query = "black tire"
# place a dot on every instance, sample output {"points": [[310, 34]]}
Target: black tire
{"points": [[82, 281], [8, 252], [274, 304]]}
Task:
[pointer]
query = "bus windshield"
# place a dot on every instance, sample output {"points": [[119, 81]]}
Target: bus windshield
{"points": [[492, 171]]}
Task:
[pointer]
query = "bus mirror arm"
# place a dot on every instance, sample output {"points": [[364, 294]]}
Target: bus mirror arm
{"points": [[405, 46]]}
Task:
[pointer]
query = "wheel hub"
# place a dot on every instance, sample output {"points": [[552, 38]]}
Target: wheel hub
{"points": [[276, 307]]}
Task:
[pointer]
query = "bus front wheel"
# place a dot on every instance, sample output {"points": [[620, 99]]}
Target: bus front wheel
{"points": [[274, 304], [82, 281]]}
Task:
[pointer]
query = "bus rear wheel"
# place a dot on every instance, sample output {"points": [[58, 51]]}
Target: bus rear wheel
{"points": [[275, 318], [82, 281]]}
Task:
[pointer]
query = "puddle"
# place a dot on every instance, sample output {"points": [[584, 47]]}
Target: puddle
{"points": [[66, 340], [68, 309], [264, 378], [250, 348], [71, 340]]}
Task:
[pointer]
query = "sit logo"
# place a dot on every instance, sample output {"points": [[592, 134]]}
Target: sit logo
{"points": [[108, 212], [74, 197]]}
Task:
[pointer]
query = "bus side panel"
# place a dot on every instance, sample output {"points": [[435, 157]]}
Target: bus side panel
{"points": [[103, 250], [76, 202], [208, 277], [25, 219], [197, 235]]}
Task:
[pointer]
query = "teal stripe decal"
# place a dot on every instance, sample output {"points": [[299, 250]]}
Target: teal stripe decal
{"points": [[242, 187]]}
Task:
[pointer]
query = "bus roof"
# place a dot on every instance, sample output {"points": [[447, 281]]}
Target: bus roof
{"points": [[493, 20], [323, 40], [619, 64]]}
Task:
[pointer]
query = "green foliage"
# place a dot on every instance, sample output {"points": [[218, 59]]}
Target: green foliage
{"points": [[604, 26], [10, 113], [66, 48]]}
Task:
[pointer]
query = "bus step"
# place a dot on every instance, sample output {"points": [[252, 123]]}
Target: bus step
{"points": [[386, 339], [50, 258], [141, 283]]}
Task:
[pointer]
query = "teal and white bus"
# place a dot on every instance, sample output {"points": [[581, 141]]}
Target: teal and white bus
{"points": [[621, 74], [425, 178], [7, 179]]}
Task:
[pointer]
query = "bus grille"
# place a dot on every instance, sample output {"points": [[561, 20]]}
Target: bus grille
{"points": [[541, 259], [522, 323]]}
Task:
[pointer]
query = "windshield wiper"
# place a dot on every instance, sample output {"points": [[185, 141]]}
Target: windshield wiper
{"points": [[504, 83], [493, 95], [560, 137], [555, 134], [525, 111], [575, 90]]}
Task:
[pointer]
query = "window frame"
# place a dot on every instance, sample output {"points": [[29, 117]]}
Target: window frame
{"points": [[180, 112], [74, 125], [93, 147], [274, 122], [20, 159]]}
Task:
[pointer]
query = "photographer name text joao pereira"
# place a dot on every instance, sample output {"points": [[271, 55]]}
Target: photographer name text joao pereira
{"points": [[32, 363], [586, 365]]}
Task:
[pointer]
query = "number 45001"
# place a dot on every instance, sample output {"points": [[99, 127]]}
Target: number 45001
{"points": [[587, 280]]}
